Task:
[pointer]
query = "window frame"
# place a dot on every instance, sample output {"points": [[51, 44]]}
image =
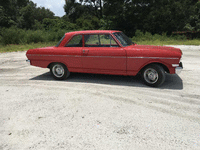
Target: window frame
{"points": [[98, 34], [72, 38]]}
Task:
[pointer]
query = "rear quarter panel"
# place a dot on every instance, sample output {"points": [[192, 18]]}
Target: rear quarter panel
{"points": [[44, 56]]}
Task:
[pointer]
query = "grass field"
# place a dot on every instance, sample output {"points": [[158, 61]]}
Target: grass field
{"points": [[25, 47], [170, 42]]}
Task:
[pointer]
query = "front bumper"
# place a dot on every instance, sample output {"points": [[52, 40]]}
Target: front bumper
{"points": [[28, 62], [179, 68]]}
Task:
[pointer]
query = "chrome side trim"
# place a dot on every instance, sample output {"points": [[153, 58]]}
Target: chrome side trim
{"points": [[104, 56], [76, 56], [155, 57]]}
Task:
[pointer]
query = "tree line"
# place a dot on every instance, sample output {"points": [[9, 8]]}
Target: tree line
{"points": [[153, 16]]}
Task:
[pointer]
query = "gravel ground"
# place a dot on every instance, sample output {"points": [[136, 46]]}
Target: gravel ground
{"points": [[98, 112]]}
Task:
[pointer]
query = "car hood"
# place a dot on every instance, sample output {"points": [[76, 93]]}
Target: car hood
{"points": [[154, 51]]}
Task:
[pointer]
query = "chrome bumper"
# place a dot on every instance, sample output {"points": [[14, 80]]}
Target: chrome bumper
{"points": [[179, 68], [28, 61]]}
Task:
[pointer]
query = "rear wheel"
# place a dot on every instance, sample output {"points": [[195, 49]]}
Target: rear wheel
{"points": [[59, 71], [153, 75]]}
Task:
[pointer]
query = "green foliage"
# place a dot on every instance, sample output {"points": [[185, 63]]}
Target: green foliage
{"points": [[15, 35], [22, 13], [37, 25], [106, 23], [194, 20], [140, 36], [34, 36], [154, 16], [88, 22], [24, 47], [58, 24], [26, 16], [146, 19], [75, 10], [54, 35], [12, 35]]}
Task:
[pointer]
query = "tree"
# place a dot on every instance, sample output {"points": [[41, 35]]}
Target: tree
{"points": [[194, 20], [26, 19], [22, 13], [4, 19], [83, 14], [98, 4], [155, 16], [168, 16]]}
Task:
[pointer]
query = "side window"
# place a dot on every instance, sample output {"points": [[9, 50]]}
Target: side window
{"points": [[107, 41], [76, 41], [99, 40], [91, 40]]}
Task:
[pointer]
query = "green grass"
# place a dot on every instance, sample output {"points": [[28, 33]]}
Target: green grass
{"points": [[170, 42], [24, 47]]}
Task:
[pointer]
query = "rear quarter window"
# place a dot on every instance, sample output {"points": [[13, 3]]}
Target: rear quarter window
{"points": [[60, 41], [76, 41]]}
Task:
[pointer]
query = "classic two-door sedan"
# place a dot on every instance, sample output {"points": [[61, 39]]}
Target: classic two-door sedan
{"points": [[106, 52]]}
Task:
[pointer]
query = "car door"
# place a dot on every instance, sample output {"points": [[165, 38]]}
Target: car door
{"points": [[102, 54]]}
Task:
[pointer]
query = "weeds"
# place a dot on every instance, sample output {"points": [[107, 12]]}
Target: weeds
{"points": [[24, 47], [15, 35], [156, 39], [15, 39]]}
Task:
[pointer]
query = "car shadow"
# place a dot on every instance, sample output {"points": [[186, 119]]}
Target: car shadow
{"points": [[171, 82]]}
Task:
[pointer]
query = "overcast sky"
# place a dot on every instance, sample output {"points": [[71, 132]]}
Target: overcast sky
{"points": [[55, 6]]}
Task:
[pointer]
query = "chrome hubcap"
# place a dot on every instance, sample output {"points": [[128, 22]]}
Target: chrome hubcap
{"points": [[151, 75], [58, 70]]}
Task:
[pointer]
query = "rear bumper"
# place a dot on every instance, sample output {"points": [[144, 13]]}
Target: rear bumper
{"points": [[179, 68]]}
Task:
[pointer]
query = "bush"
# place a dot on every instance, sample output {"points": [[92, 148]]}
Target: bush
{"points": [[140, 36], [57, 24], [15, 35], [54, 36], [179, 37], [12, 35], [34, 36], [88, 23]]}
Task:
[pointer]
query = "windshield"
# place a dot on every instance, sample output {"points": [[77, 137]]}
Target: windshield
{"points": [[123, 39], [60, 41]]}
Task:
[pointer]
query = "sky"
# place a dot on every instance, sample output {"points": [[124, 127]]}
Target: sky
{"points": [[55, 6]]}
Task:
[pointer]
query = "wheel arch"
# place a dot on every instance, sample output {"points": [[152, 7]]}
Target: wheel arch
{"points": [[54, 63], [155, 63]]}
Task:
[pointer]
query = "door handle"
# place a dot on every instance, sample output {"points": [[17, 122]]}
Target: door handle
{"points": [[85, 51]]}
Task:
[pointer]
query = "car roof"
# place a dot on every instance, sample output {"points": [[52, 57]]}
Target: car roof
{"points": [[92, 31]]}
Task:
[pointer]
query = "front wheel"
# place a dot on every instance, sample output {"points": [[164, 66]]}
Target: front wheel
{"points": [[153, 75], [59, 71]]}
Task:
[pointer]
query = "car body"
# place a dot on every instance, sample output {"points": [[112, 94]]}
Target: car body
{"points": [[106, 52]]}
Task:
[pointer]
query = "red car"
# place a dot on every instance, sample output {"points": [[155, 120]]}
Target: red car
{"points": [[106, 52]]}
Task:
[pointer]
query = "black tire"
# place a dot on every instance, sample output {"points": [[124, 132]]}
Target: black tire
{"points": [[59, 71], [153, 75]]}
